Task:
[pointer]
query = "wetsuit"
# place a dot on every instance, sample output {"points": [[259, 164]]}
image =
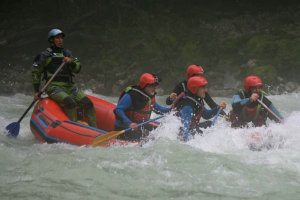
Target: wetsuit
{"points": [[191, 108], [182, 87], [62, 89]]}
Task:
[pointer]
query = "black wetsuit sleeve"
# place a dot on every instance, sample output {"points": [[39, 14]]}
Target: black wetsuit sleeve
{"points": [[211, 103], [178, 89], [169, 101]]}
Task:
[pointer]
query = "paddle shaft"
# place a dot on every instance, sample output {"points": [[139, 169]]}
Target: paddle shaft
{"points": [[270, 111], [108, 136], [44, 88], [146, 122], [214, 120]]}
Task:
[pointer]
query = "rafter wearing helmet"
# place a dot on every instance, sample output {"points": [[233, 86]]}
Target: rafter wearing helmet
{"points": [[62, 88], [180, 88], [190, 107], [136, 103], [245, 108]]}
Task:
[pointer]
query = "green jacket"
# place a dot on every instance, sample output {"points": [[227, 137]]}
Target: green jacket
{"points": [[46, 63]]}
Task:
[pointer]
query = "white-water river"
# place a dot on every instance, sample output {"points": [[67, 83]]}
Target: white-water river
{"points": [[217, 165]]}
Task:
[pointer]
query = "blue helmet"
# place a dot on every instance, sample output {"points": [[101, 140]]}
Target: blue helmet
{"points": [[54, 32]]}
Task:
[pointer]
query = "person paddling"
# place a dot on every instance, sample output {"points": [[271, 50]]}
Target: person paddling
{"points": [[135, 105], [190, 107], [191, 71], [245, 106], [62, 89]]}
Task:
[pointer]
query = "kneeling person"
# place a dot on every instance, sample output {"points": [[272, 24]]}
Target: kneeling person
{"points": [[135, 105]]}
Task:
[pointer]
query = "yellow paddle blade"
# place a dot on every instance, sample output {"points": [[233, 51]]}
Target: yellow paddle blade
{"points": [[106, 137], [225, 117]]}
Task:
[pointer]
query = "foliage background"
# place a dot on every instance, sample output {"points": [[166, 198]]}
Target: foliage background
{"points": [[118, 40]]}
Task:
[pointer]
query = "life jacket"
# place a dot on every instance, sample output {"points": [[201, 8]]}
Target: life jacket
{"points": [[253, 112], [54, 61], [182, 94], [197, 105], [142, 104]]}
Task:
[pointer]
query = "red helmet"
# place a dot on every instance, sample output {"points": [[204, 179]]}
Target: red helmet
{"points": [[195, 82], [194, 70], [251, 81], [148, 79]]}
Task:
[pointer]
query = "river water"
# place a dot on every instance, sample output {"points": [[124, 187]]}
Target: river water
{"points": [[217, 165]]}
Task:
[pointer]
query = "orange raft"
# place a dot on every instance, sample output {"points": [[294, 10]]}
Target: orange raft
{"points": [[50, 124]]}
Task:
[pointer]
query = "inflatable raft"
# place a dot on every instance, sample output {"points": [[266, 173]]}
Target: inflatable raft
{"points": [[50, 124]]}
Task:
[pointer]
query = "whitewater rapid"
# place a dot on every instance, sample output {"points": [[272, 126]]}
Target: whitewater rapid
{"points": [[216, 165]]}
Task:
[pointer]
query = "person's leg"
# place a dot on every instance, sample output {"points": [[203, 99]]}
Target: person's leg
{"points": [[89, 111], [66, 101], [87, 105]]}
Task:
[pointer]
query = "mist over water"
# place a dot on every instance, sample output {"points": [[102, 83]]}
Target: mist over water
{"points": [[216, 165]]}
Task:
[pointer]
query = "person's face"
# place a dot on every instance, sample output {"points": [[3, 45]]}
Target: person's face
{"points": [[256, 89], [150, 89], [201, 91], [58, 41]]}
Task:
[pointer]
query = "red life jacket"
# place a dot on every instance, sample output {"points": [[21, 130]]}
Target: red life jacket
{"points": [[142, 104], [198, 107], [253, 115], [248, 114]]}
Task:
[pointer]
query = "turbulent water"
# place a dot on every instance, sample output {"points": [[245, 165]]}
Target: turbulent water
{"points": [[217, 165]]}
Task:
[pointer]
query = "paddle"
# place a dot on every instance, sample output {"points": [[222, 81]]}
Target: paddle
{"points": [[108, 136], [14, 128], [270, 111], [225, 117], [214, 120]]}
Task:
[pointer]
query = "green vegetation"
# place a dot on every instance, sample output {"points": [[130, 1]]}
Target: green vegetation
{"points": [[116, 41]]}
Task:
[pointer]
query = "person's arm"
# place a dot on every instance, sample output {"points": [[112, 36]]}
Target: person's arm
{"points": [[186, 114], [124, 104], [38, 65], [275, 111], [177, 90], [74, 64], [211, 103], [238, 103], [207, 114], [160, 109], [169, 101]]}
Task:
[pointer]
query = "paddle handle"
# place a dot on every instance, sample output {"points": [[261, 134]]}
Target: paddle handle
{"points": [[270, 111], [44, 88], [214, 120], [146, 122]]}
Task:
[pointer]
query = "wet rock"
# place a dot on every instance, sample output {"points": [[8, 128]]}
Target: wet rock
{"points": [[251, 63], [297, 89], [290, 86], [280, 79]]}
